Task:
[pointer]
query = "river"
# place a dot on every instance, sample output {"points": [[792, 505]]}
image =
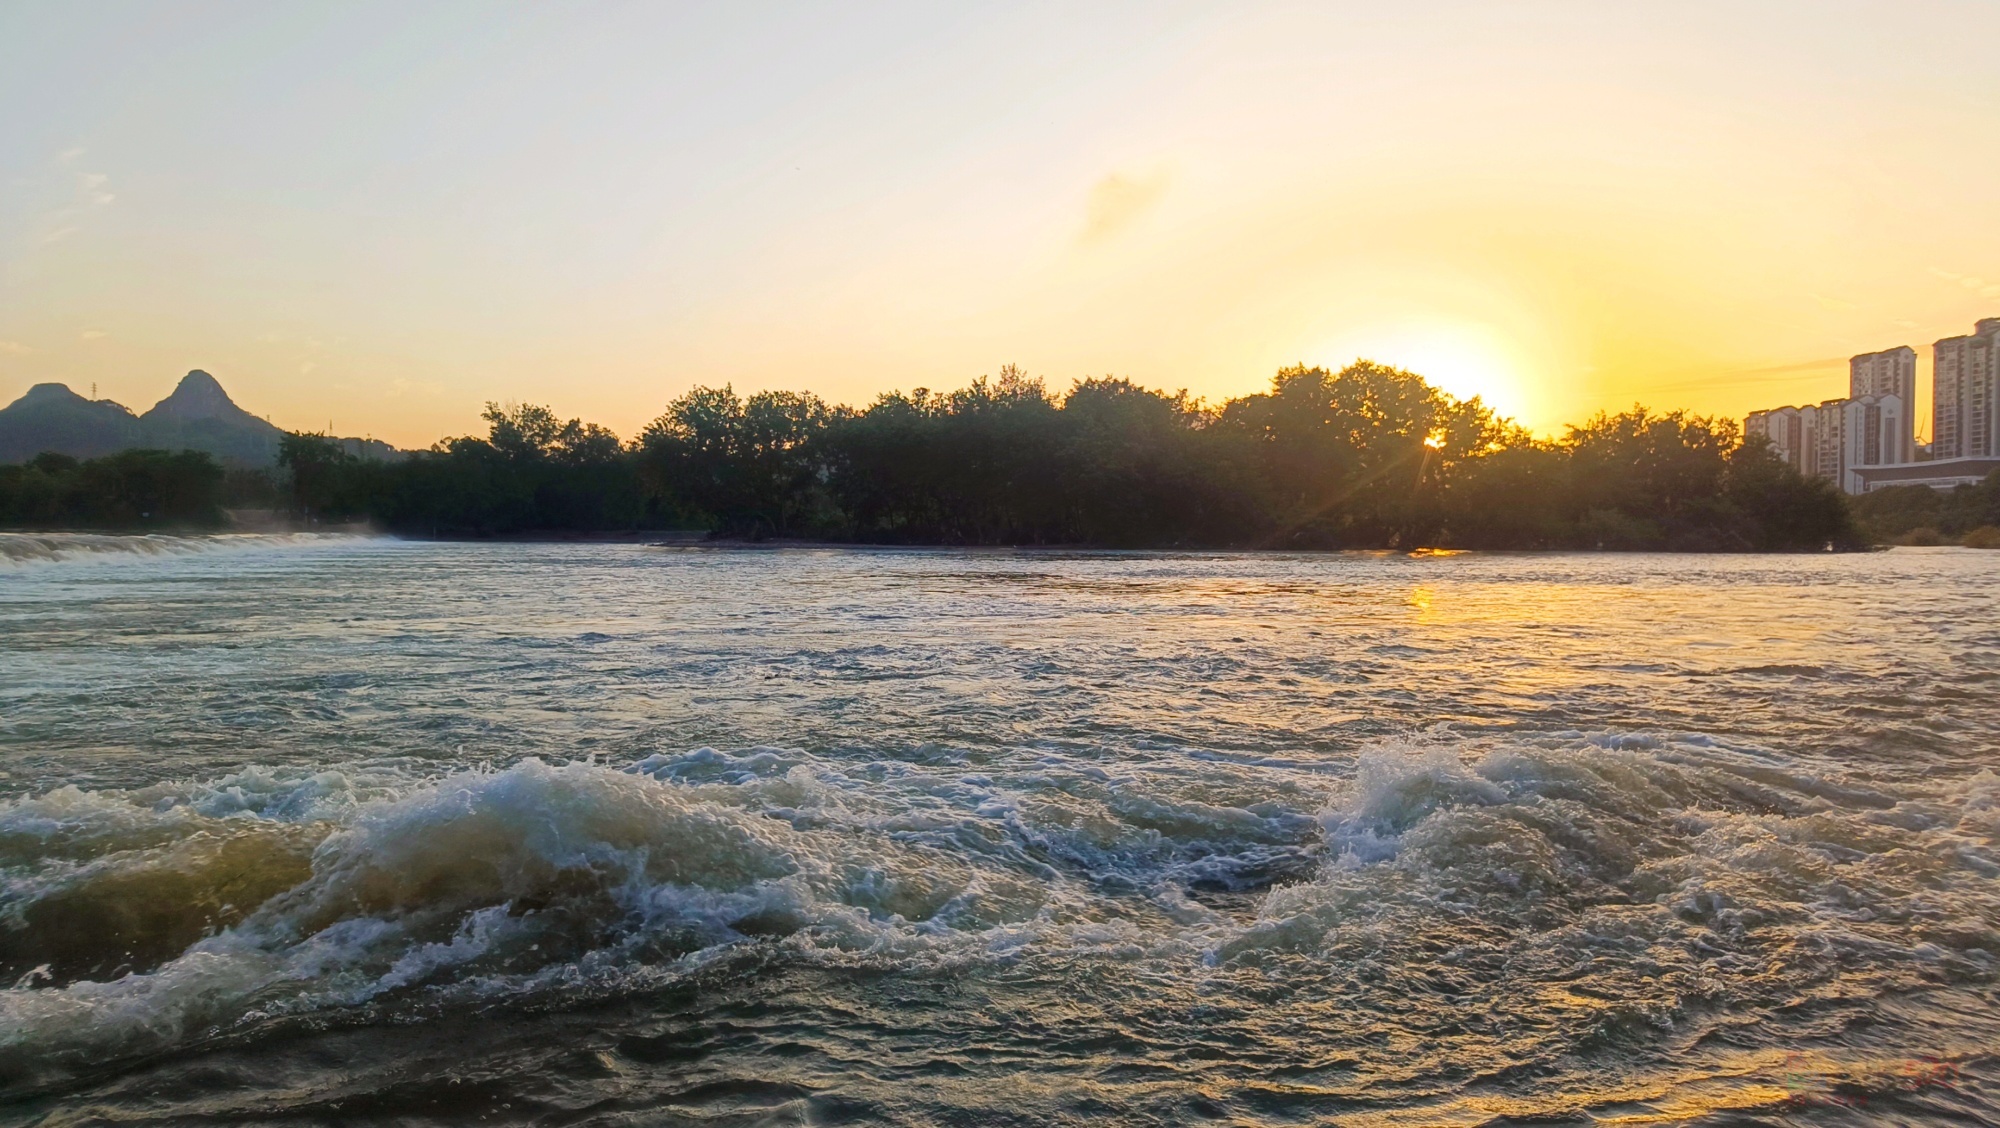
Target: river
{"points": [[331, 828]]}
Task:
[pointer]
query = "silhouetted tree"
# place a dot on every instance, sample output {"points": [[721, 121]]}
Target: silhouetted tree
{"points": [[1920, 514], [319, 474], [751, 465], [1357, 457], [132, 489], [1368, 456]]}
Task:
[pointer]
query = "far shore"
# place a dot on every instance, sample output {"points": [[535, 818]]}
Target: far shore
{"points": [[702, 539]]}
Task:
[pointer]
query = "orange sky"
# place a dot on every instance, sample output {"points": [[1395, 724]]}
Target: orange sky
{"points": [[358, 215]]}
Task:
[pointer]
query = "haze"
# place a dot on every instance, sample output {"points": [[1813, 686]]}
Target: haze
{"points": [[378, 216]]}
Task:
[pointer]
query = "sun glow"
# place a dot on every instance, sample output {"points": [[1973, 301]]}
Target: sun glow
{"points": [[1464, 360]]}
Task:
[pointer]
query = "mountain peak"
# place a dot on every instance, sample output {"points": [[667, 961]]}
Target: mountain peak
{"points": [[48, 393], [197, 396], [51, 396], [199, 399], [51, 417]]}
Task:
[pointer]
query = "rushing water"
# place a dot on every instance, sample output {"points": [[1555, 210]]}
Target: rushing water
{"points": [[329, 828]]}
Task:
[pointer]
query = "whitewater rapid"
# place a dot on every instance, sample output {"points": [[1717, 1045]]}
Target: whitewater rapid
{"points": [[19, 550], [1121, 864]]}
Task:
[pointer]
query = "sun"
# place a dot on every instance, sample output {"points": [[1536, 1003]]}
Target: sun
{"points": [[1462, 359]]}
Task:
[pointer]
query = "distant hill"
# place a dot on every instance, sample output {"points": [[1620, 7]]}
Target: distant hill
{"points": [[199, 415], [51, 417]]}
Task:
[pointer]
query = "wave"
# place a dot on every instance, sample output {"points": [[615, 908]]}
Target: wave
{"points": [[1573, 891], [135, 921], [1601, 899], [28, 549]]}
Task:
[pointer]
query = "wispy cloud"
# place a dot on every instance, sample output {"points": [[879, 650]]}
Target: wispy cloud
{"points": [[87, 192], [400, 387], [1776, 370], [1119, 199], [1764, 374], [92, 335], [91, 184], [14, 348], [1971, 282]]}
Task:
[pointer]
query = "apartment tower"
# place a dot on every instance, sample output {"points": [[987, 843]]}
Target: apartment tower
{"points": [[1965, 394], [1790, 430], [1891, 372]]}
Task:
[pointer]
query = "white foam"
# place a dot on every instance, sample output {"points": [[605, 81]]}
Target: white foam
{"points": [[586, 878], [30, 549], [465, 875]]}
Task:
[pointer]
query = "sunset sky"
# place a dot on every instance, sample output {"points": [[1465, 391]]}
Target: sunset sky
{"points": [[380, 216]]}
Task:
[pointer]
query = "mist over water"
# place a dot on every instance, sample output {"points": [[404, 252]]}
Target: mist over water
{"points": [[329, 828]]}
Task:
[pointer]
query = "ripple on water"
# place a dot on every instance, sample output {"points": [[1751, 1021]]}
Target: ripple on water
{"points": [[664, 866]]}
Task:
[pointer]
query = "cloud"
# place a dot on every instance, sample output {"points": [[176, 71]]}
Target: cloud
{"points": [[89, 195], [91, 185], [400, 387], [1794, 366], [1838, 305], [92, 335], [1766, 374], [15, 347], [1971, 282], [1119, 199], [68, 155]]}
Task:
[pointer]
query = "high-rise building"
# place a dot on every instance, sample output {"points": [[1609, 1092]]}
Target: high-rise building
{"points": [[1965, 394], [1833, 439], [1868, 440], [1871, 430], [1891, 372], [1827, 442], [1788, 429]]}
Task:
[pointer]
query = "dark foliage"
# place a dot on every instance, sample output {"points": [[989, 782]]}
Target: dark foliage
{"points": [[532, 472], [133, 489], [751, 466], [1367, 457], [1922, 515]]}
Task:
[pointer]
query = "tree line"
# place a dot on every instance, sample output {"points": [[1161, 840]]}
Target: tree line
{"points": [[127, 490], [1920, 515], [1365, 457]]}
